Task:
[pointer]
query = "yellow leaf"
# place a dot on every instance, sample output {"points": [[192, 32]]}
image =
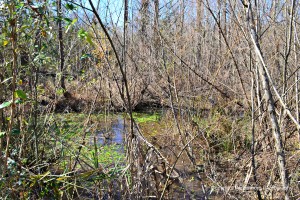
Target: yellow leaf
{"points": [[62, 178], [5, 42]]}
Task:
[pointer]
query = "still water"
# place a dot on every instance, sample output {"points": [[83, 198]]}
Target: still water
{"points": [[113, 135]]}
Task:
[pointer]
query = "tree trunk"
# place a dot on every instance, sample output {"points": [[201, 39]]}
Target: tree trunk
{"points": [[156, 28], [144, 17], [61, 45], [199, 28], [14, 46]]}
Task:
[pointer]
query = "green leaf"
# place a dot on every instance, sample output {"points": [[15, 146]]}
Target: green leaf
{"points": [[23, 28], [18, 101], [71, 24], [74, 21], [5, 104], [15, 131], [60, 91], [21, 94], [89, 40], [82, 34], [20, 5], [68, 20], [70, 6], [2, 134], [47, 21], [86, 55]]}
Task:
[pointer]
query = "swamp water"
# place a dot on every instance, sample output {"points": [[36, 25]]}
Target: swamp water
{"points": [[114, 135], [106, 136], [106, 132], [114, 132]]}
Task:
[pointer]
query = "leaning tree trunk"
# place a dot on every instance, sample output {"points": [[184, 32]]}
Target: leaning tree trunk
{"points": [[264, 78]]}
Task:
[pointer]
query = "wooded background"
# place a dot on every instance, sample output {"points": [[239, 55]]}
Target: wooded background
{"points": [[234, 59]]}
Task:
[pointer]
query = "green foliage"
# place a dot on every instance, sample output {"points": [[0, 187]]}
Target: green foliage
{"points": [[224, 132], [70, 6], [86, 55], [227, 145], [71, 127], [69, 23], [110, 154], [8, 103], [82, 34], [146, 117], [5, 104], [60, 91], [15, 131], [3, 40], [42, 186], [20, 94], [2, 134]]}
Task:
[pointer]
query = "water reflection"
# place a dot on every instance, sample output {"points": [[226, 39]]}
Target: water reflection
{"points": [[113, 135]]}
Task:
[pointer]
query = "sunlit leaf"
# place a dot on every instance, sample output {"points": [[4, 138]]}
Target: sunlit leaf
{"points": [[21, 94], [62, 178], [45, 174], [5, 104], [71, 24], [86, 55], [74, 21], [82, 34], [2, 134], [18, 101], [5, 42], [20, 5], [60, 91]]}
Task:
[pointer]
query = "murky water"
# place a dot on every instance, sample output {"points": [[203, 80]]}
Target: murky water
{"points": [[114, 131], [113, 135]]}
